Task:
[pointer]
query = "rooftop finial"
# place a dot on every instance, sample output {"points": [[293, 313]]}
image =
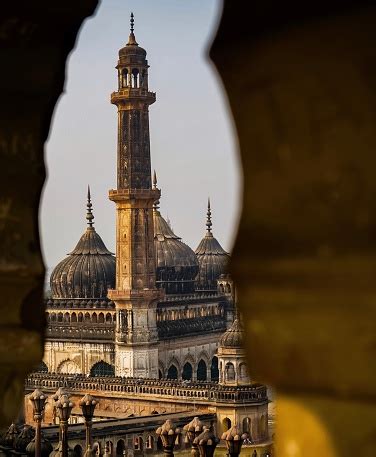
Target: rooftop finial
{"points": [[89, 214], [156, 203], [132, 23], [208, 220]]}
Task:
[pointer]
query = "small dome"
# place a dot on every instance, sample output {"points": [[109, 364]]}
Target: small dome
{"points": [[233, 337], [212, 259], [88, 271], [176, 263]]}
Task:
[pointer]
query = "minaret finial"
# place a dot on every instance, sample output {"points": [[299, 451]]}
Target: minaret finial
{"points": [[132, 23], [208, 220], [156, 203], [89, 214]]}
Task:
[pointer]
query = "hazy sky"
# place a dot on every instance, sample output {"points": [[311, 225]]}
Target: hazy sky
{"points": [[192, 145]]}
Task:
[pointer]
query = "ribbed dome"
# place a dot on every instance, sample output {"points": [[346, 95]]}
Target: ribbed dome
{"points": [[233, 337], [88, 271], [212, 259], [176, 262]]}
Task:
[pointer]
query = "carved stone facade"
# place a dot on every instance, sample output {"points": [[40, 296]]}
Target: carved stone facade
{"points": [[155, 329]]}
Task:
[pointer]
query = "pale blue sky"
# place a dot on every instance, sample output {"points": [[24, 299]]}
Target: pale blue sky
{"points": [[192, 145]]}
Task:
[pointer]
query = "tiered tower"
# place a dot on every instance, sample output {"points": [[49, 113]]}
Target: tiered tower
{"points": [[136, 295]]}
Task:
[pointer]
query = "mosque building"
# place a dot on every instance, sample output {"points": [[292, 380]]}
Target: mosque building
{"points": [[153, 329]]}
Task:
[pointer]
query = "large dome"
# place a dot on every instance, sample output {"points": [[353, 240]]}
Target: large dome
{"points": [[212, 259], [88, 271], [176, 263]]}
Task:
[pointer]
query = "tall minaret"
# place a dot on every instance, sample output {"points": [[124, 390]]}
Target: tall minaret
{"points": [[136, 295]]}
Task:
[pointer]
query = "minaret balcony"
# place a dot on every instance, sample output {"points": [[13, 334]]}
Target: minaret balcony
{"points": [[134, 194], [134, 295], [132, 94]]}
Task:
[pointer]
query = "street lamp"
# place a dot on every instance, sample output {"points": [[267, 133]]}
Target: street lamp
{"points": [[234, 440], [64, 409], [193, 429], [88, 404], [168, 434], [38, 400], [206, 442]]}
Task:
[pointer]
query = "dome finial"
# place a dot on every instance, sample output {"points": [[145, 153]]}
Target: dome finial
{"points": [[132, 38], [155, 181], [208, 220], [89, 214]]}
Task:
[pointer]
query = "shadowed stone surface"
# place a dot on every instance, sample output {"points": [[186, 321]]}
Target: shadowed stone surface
{"points": [[301, 86], [35, 39]]}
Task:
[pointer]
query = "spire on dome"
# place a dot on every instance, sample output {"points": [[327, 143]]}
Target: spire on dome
{"points": [[132, 38], [155, 182], [89, 214], [208, 220]]}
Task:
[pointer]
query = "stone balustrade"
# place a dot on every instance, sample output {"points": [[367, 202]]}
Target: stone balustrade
{"points": [[169, 389]]}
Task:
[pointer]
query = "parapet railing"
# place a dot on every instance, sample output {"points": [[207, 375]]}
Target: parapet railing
{"points": [[80, 330], [174, 390]]}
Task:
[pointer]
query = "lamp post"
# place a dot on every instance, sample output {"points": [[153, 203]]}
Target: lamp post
{"points": [[88, 404], [38, 400], [193, 429], [234, 440], [64, 409], [168, 433], [206, 442]]}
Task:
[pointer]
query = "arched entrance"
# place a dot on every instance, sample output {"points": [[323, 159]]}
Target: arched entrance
{"points": [[201, 371], [187, 372], [172, 372], [214, 371], [102, 369]]}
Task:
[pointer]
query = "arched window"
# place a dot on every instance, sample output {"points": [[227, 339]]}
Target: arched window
{"points": [[187, 372], [172, 372], [73, 317], [150, 442], [53, 317], [66, 317], [243, 374], [135, 77], [101, 318], [108, 318], [109, 447], [138, 443], [102, 369], [120, 447], [60, 317], [226, 424], [77, 451], [228, 288], [124, 78], [247, 425], [201, 371], [214, 372], [87, 317], [229, 372], [80, 317], [94, 318]]}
